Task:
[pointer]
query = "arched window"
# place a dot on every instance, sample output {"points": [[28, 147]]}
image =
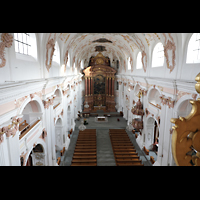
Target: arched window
{"points": [[82, 64], [139, 61], [129, 63], [25, 44], [56, 54], [193, 51], [158, 55]]}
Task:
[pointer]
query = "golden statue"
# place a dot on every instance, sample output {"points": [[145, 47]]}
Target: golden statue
{"points": [[186, 135]]}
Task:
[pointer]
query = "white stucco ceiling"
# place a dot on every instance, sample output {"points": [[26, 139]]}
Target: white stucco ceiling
{"points": [[81, 45]]}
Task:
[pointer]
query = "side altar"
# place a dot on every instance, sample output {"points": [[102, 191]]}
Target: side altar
{"points": [[99, 85]]}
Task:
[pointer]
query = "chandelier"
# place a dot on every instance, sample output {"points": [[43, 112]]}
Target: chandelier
{"points": [[82, 127]]}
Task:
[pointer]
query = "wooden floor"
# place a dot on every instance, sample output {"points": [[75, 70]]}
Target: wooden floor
{"points": [[85, 151], [123, 149]]}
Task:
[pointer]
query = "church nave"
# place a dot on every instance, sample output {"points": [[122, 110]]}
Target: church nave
{"points": [[104, 150], [145, 83]]}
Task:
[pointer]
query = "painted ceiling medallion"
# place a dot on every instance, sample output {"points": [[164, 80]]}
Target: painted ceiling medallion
{"points": [[102, 40], [100, 48]]}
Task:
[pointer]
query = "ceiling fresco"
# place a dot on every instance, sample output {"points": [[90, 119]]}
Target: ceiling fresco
{"points": [[82, 46]]}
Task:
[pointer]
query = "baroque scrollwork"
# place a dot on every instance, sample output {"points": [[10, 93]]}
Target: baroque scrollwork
{"points": [[50, 50], [186, 134], [170, 45], [11, 128], [6, 42]]}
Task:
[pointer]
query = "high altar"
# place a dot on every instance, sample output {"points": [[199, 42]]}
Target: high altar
{"points": [[99, 85]]}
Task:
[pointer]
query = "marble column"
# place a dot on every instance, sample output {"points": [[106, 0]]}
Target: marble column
{"points": [[4, 156], [52, 128], [86, 86], [110, 94], [92, 86], [89, 84], [113, 84], [107, 85], [48, 129]]}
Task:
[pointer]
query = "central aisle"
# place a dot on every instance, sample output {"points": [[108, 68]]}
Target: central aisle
{"points": [[105, 156]]}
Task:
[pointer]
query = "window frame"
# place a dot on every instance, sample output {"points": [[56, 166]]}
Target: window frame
{"points": [[23, 43], [56, 54], [156, 56], [32, 49], [129, 63], [140, 67], [190, 48]]}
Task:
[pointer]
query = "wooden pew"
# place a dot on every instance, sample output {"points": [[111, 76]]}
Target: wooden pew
{"points": [[122, 143], [86, 146], [85, 149], [62, 151], [127, 156], [129, 164], [84, 154], [86, 160], [84, 157], [152, 159], [146, 150], [84, 164], [58, 160], [123, 149], [127, 159], [126, 153]]}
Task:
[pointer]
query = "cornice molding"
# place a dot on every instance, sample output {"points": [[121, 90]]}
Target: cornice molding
{"points": [[16, 90]]}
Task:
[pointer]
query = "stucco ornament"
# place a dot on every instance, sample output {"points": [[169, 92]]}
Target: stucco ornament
{"points": [[6, 42], [170, 45], [66, 58], [50, 50], [144, 61]]}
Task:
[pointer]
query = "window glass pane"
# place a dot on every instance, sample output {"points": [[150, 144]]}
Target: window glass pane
{"points": [[15, 36], [198, 36], [25, 49], [129, 64], [158, 55], [28, 50], [20, 47], [139, 61], [16, 46], [24, 38], [20, 37], [193, 49]]}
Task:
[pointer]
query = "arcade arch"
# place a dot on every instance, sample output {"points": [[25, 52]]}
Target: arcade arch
{"points": [[152, 135]]}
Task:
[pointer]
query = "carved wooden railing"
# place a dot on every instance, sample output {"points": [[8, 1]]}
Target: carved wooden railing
{"points": [[157, 106], [28, 129], [54, 107]]}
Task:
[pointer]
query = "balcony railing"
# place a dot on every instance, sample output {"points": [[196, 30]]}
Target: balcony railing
{"points": [[29, 128], [157, 106], [54, 107]]}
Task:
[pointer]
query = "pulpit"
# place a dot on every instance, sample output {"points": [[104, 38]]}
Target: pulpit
{"points": [[99, 84]]}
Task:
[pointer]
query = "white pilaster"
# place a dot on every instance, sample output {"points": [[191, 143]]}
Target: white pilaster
{"points": [[4, 156]]}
